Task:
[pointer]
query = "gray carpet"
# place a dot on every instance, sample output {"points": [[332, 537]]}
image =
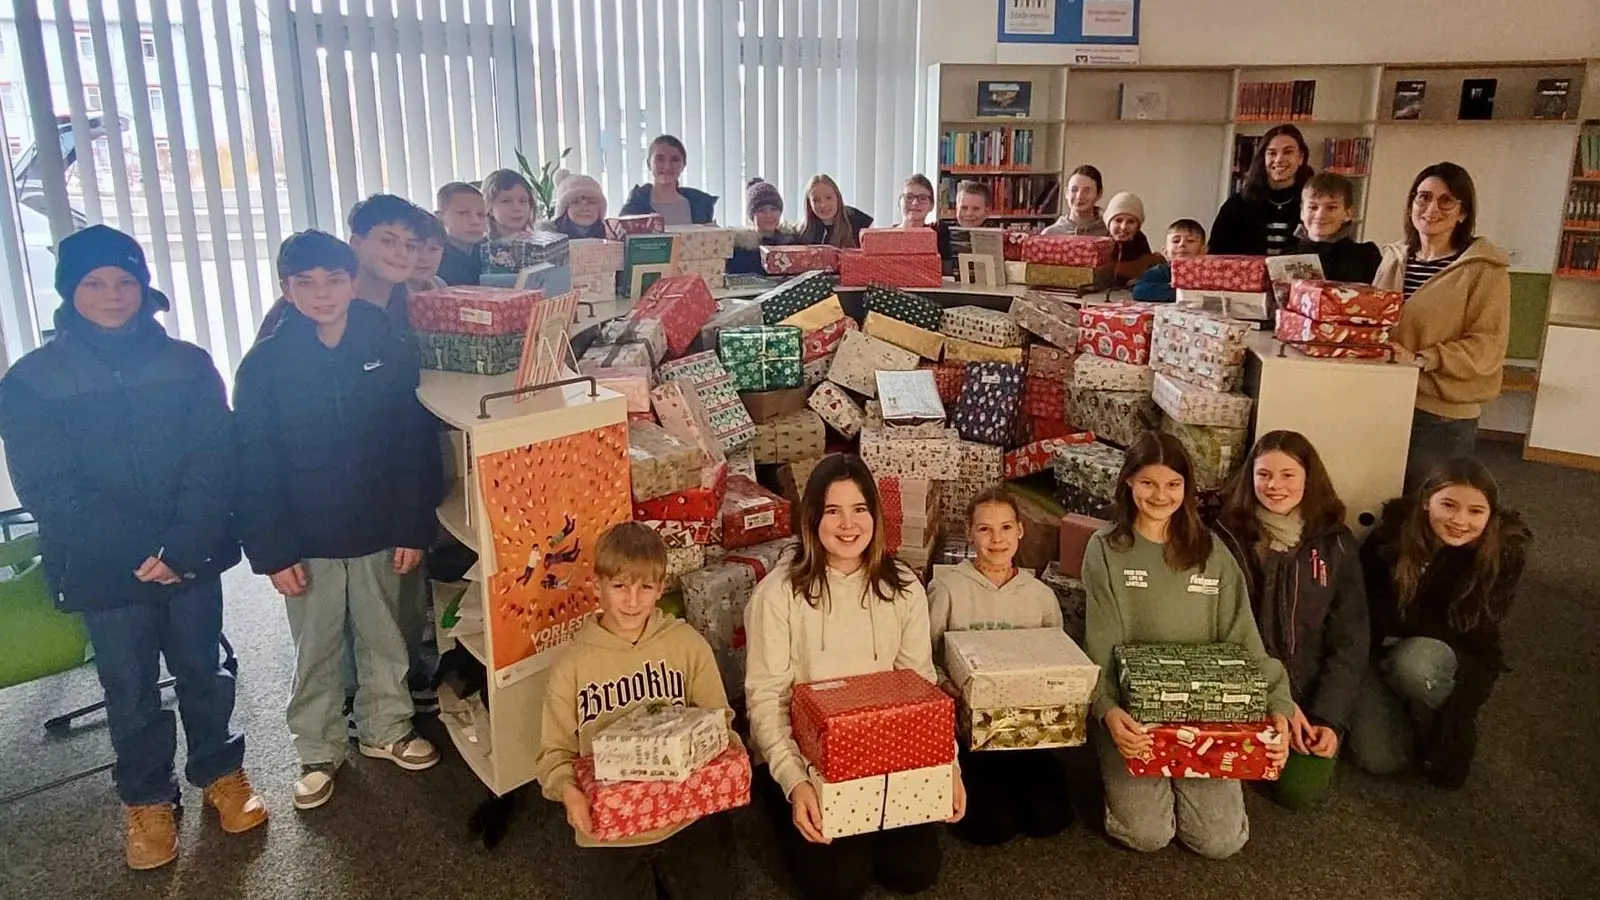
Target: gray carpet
{"points": [[1518, 830]]}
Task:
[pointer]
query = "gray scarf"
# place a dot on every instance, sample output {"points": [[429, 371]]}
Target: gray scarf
{"points": [[1279, 533]]}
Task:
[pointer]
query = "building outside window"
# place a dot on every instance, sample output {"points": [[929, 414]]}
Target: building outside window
{"points": [[91, 97], [157, 102]]}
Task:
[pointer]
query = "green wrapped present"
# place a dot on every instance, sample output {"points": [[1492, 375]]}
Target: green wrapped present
{"points": [[905, 306], [1169, 683], [646, 250], [1214, 450], [474, 354], [761, 357], [806, 289], [1023, 727]]}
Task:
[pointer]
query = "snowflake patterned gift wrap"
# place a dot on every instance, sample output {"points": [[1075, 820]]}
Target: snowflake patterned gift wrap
{"points": [[1018, 667], [619, 227], [1296, 328], [837, 408], [907, 307], [714, 599], [1209, 750], [1068, 250], [896, 241], [1119, 331], [991, 399], [1051, 320], [1190, 683], [510, 255], [764, 406], [935, 458], [710, 242], [470, 353], [659, 742], [1215, 452], [798, 258], [860, 357], [819, 342], [594, 256], [1192, 404], [751, 514], [1118, 417], [958, 350], [800, 293], [660, 463], [682, 303], [924, 343], [761, 357], [1039, 455], [621, 809], [1221, 273], [470, 309], [981, 326], [1054, 363], [798, 435], [884, 802], [872, 724], [1350, 304]]}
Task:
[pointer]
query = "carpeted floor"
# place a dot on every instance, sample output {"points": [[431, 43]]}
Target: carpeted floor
{"points": [[1518, 830]]}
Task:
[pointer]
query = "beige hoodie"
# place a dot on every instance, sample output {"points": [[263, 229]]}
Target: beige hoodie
{"points": [[1458, 322], [962, 599], [600, 677], [849, 632]]}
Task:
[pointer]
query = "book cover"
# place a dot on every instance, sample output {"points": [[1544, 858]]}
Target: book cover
{"points": [[1550, 98], [1408, 99], [1141, 102], [1477, 99], [1005, 98]]}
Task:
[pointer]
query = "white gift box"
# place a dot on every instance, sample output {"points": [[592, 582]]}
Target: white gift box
{"points": [[1019, 667], [658, 742], [882, 802]]}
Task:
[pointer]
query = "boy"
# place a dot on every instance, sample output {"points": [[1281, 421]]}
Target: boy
{"points": [[430, 255], [119, 442], [1186, 239], [337, 462], [465, 216], [974, 203], [1327, 228], [630, 636]]}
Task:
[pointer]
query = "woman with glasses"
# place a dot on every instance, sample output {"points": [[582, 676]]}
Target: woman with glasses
{"points": [[1260, 220], [1457, 314]]}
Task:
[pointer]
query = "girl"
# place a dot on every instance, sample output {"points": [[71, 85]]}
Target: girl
{"points": [[1156, 576], [510, 200], [1457, 316], [763, 206], [1261, 218], [676, 204], [1441, 569], [1084, 188], [916, 202], [1285, 525], [1327, 228], [580, 207], [840, 606], [1020, 791], [828, 219], [1125, 221]]}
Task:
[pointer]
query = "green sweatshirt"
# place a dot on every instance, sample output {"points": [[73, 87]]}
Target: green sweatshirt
{"points": [[1135, 598]]}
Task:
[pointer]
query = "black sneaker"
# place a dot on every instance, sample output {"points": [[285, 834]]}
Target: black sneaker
{"points": [[425, 701]]}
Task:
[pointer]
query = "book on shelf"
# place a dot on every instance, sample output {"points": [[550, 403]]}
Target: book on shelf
{"points": [[1006, 147], [1013, 195], [1550, 98], [1260, 101], [1408, 99], [1141, 102], [1013, 99], [1244, 148], [1477, 99], [1580, 252], [1347, 156], [1583, 205], [1587, 161]]}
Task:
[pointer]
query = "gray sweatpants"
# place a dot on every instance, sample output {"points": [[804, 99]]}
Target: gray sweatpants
{"points": [[1410, 682], [1206, 814]]}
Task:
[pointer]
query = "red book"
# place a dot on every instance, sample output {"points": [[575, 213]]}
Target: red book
{"points": [[867, 725]]}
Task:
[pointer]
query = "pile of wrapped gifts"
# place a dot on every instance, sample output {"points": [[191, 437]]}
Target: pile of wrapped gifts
{"points": [[1111, 376], [477, 330], [1335, 319], [1199, 353], [595, 263], [1205, 706], [1233, 286], [1070, 263], [897, 257], [1020, 688], [534, 260]]}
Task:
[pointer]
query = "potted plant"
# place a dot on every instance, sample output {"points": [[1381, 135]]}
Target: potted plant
{"points": [[543, 181]]}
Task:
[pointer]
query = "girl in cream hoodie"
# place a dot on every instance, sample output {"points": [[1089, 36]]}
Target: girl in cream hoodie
{"points": [[841, 606]]}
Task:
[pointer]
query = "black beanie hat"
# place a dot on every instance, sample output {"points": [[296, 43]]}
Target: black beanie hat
{"points": [[82, 252]]}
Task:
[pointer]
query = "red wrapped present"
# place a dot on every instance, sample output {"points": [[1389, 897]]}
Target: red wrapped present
{"points": [[1069, 250], [1044, 397], [1296, 328], [1223, 750], [866, 725], [619, 227], [899, 241], [1045, 361], [699, 504], [471, 309], [1220, 273], [751, 514], [794, 259], [1015, 238], [1036, 456], [680, 534], [682, 303], [857, 268], [1040, 428], [819, 343], [1337, 301], [622, 809], [947, 379], [1119, 331]]}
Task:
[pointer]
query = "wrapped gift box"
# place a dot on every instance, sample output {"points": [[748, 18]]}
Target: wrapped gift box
{"points": [[732, 312], [884, 802], [1038, 428], [958, 350], [1088, 474], [1014, 241], [1050, 320], [910, 399], [1214, 452], [659, 742], [682, 303], [696, 368], [1221, 273], [547, 278], [837, 408], [1118, 417], [1039, 455], [815, 372], [1194, 405], [948, 379], [711, 242], [661, 463], [713, 272], [729, 419], [1190, 683], [1044, 398], [859, 268], [797, 294], [651, 332], [1211, 332], [1291, 267], [655, 250], [1054, 363], [742, 462], [924, 343], [761, 357], [470, 353], [681, 412], [1073, 278], [1296, 328], [1195, 359], [897, 241], [872, 724], [859, 359], [1103, 374], [820, 342], [764, 406], [696, 504], [989, 404], [751, 514], [1023, 727], [981, 465], [619, 227], [907, 498], [788, 438], [1212, 750], [1069, 250], [989, 327], [1252, 305], [472, 310], [793, 260], [933, 458], [632, 382], [594, 256], [1072, 597], [714, 600], [683, 534], [911, 308], [633, 355], [622, 809], [510, 255], [1119, 331], [1350, 304], [1018, 667], [818, 315]]}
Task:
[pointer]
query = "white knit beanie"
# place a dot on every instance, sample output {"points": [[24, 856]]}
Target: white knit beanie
{"points": [[1125, 203], [570, 186]]}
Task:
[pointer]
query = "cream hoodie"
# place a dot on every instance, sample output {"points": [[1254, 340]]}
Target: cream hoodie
{"points": [[600, 677], [849, 632], [962, 599]]}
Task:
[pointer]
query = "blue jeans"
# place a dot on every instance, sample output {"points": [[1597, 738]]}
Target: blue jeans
{"points": [[1409, 683], [129, 642]]}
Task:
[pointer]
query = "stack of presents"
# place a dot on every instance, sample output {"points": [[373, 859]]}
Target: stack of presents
{"points": [[1205, 708]]}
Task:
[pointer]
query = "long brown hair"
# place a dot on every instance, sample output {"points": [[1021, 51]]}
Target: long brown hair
{"points": [[1320, 507], [1461, 187], [1478, 603], [808, 571], [843, 234], [1256, 184], [1188, 540]]}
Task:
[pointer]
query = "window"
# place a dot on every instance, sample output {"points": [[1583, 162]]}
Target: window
{"points": [[164, 159], [102, 155], [85, 45], [8, 98], [157, 102], [91, 97], [148, 43]]}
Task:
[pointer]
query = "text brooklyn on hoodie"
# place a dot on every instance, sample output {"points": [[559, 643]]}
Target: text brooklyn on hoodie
{"points": [[654, 681]]}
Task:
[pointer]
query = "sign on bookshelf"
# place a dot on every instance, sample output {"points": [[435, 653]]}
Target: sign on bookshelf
{"points": [[1092, 32]]}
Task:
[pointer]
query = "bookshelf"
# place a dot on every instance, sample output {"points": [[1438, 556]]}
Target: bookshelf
{"points": [[1018, 157]]}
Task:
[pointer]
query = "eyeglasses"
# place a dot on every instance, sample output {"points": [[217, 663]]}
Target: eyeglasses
{"points": [[1446, 203], [923, 199]]}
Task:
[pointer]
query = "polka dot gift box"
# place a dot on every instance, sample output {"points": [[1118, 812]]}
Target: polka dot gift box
{"points": [[882, 802], [1119, 331], [873, 724], [1068, 250]]}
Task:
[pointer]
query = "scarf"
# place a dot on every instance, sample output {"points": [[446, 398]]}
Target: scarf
{"points": [[1279, 532], [1279, 536]]}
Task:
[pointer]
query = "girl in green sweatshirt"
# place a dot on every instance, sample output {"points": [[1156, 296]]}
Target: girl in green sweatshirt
{"points": [[1156, 576]]}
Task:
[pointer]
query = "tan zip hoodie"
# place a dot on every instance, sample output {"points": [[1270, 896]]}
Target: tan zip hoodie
{"points": [[600, 676], [963, 599], [849, 632], [1458, 322]]}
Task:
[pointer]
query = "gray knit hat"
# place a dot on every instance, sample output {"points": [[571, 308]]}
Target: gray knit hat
{"points": [[759, 194]]}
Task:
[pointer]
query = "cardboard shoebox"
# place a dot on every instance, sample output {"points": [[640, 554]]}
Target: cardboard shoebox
{"points": [[936, 458], [1119, 331], [837, 408], [981, 326], [660, 463], [1051, 320], [761, 357], [1192, 404], [471, 309], [924, 343], [751, 514], [859, 359], [990, 402], [1117, 417]]}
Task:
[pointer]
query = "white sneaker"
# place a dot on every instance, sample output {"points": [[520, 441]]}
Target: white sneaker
{"points": [[315, 786], [412, 752]]}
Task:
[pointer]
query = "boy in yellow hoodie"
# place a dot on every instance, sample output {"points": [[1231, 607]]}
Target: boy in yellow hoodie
{"points": [[632, 653]]}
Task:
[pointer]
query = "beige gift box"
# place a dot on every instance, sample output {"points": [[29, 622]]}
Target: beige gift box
{"points": [[703, 242], [1192, 404], [837, 408], [1102, 374], [980, 325], [1018, 667], [937, 459], [958, 350], [798, 435], [926, 344], [860, 356]]}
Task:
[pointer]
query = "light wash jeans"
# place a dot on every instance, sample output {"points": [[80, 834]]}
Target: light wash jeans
{"points": [[1410, 682], [1206, 814]]}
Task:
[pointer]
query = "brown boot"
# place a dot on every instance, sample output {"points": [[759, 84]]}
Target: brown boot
{"points": [[152, 836], [238, 806]]}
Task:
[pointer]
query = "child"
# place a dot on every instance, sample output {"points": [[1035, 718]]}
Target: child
{"points": [[1020, 791], [627, 639], [1084, 188], [916, 202], [974, 203], [677, 204], [430, 255], [510, 201], [465, 216], [828, 220], [1441, 570], [580, 207], [840, 606], [763, 206], [1260, 219], [1156, 576], [1284, 524], [1327, 228], [1186, 239], [338, 467], [119, 442], [1125, 221]]}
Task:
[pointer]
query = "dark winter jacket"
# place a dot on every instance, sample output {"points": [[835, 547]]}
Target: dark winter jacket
{"points": [[396, 311], [337, 458], [1247, 226], [1155, 285], [746, 259], [822, 233], [702, 206], [1448, 752], [1311, 608], [459, 265], [574, 231], [122, 447], [1344, 258]]}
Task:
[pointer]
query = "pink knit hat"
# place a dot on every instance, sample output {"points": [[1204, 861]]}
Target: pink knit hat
{"points": [[571, 186]]}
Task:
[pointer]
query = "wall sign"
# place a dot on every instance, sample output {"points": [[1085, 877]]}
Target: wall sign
{"points": [[1089, 32]]}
